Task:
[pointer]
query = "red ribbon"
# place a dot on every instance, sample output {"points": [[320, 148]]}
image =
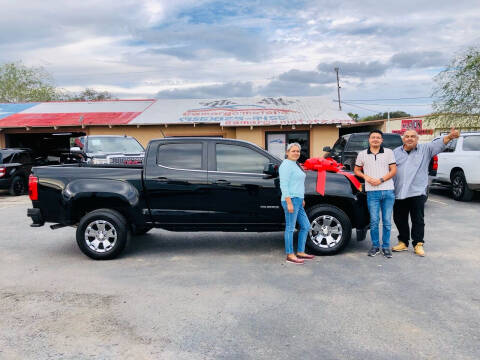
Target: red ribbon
{"points": [[322, 165]]}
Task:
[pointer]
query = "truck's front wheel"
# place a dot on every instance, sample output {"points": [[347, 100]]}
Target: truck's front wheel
{"points": [[102, 234], [330, 229]]}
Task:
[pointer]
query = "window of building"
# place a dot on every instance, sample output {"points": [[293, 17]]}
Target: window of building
{"points": [[276, 143]]}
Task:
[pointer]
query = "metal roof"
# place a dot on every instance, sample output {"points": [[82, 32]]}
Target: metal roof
{"points": [[254, 111]]}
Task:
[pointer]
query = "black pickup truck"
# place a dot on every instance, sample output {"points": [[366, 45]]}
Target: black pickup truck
{"points": [[188, 184]]}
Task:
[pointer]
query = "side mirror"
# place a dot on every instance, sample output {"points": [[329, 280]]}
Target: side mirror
{"points": [[270, 169], [327, 148]]}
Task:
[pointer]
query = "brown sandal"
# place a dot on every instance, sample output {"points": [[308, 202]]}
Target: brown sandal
{"points": [[306, 257], [295, 261]]}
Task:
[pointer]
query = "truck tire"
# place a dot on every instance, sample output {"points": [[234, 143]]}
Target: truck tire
{"points": [[330, 229], [102, 234], [18, 186], [142, 230], [460, 189]]}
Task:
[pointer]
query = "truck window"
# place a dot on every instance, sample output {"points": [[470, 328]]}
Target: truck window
{"points": [[339, 145], [451, 145], [233, 158], [6, 157], [180, 156], [357, 143], [23, 158], [471, 143], [392, 141]]}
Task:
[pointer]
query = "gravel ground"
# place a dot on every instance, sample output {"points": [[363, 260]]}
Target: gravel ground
{"points": [[232, 296]]}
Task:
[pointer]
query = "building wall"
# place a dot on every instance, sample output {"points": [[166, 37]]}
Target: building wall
{"points": [[396, 124], [148, 132], [321, 136], [255, 135]]}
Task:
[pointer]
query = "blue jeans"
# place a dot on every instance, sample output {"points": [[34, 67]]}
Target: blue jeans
{"points": [[380, 200], [290, 221]]}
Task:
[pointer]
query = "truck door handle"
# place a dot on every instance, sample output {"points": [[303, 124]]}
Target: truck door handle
{"points": [[161, 179], [222, 182]]}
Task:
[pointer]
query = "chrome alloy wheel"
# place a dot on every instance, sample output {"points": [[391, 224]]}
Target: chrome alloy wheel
{"points": [[100, 236], [325, 231]]}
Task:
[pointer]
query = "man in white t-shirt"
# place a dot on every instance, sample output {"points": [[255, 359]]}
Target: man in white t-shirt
{"points": [[377, 167]]}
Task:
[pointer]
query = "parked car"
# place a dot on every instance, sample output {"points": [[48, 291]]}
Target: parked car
{"points": [[347, 147], [189, 184], [457, 166], [15, 167], [109, 149]]}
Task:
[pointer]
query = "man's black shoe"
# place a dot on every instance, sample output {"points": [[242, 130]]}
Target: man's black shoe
{"points": [[387, 253], [373, 251]]}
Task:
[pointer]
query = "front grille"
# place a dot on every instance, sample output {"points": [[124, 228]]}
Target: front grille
{"points": [[126, 160]]}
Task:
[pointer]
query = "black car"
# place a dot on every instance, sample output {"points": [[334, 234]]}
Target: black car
{"points": [[347, 147], [15, 167], [189, 184]]}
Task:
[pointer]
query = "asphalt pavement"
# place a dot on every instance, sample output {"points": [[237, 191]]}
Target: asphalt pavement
{"points": [[204, 295]]}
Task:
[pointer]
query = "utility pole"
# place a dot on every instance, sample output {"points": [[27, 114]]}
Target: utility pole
{"points": [[338, 90], [388, 122]]}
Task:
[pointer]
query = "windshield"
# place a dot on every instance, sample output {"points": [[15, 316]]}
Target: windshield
{"points": [[113, 145], [6, 157]]}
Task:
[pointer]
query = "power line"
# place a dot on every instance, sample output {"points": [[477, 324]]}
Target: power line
{"points": [[429, 104], [392, 99], [360, 107]]}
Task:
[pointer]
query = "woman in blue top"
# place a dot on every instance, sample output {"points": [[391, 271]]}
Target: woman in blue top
{"points": [[292, 184]]}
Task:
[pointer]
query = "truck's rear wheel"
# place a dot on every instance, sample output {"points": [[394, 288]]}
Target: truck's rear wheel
{"points": [[18, 186], [460, 189], [330, 229], [102, 234]]}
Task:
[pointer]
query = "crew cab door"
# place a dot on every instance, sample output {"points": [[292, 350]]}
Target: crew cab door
{"points": [[240, 192], [176, 181]]}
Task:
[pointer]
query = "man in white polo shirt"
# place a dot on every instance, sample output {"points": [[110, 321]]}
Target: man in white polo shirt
{"points": [[377, 167]]}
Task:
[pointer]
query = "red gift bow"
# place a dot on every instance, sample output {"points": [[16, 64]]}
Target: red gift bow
{"points": [[322, 165]]}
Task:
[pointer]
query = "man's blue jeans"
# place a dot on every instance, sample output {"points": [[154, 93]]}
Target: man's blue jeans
{"points": [[380, 200], [290, 221]]}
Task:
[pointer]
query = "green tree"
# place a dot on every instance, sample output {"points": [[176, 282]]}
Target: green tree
{"points": [[91, 95], [19, 83], [354, 117], [384, 115], [457, 90]]}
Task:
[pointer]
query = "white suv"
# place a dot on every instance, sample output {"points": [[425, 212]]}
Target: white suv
{"points": [[458, 166]]}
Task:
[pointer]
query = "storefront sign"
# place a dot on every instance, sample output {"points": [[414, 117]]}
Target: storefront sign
{"points": [[413, 124]]}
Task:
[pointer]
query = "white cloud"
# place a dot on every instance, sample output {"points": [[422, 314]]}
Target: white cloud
{"points": [[143, 47]]}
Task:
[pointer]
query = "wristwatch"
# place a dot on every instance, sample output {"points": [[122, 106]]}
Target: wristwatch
{"points": [[382, 180]]}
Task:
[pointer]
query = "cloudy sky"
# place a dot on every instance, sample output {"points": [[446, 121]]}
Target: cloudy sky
{"points": [[387, 51]]}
